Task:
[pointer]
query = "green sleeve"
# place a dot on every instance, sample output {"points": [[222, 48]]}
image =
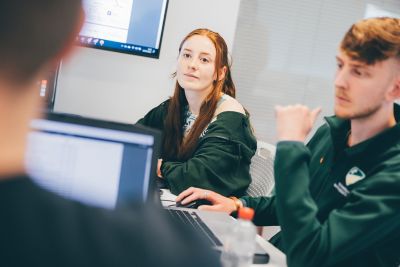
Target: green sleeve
{"points": [[264, 208], [370, 215], [155, 117], [216, 165]]}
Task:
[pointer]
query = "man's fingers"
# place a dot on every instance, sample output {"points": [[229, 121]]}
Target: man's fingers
{"points": [[185, 193], [194, 194], [278, 108], [314, 114], [207, 207], [189, 199], [210, 208], [211, 196]]}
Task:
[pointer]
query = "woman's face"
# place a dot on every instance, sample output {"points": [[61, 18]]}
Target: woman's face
{"points": [[196, 64]]}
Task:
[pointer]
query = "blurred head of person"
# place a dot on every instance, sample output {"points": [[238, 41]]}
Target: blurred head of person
{"points": [[35, 35]]}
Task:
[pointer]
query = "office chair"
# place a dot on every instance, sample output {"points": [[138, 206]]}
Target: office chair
{"points": [[262, 184], [262, 170]]}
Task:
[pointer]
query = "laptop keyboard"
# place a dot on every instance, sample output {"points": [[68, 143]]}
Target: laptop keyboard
{"points": [[191, 219]]}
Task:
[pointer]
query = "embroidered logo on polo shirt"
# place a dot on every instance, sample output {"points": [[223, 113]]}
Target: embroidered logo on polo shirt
{"points": [[354, 175]]}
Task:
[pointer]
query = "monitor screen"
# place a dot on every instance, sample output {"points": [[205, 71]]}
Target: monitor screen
{"points": [[94, 162], [127, 26]]}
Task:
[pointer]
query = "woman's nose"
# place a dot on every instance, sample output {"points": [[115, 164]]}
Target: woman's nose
{"points": [[192, 63]]}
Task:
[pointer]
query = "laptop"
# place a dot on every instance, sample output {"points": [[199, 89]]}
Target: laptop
{"points": [[99, 163], [109, 165], [215, 226]]}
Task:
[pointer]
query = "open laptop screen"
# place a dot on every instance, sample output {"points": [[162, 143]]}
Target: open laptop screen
{"points": [[95, 162]]}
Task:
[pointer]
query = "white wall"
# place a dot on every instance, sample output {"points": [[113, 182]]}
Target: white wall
{"points": [[285, 51], [123, 87]]}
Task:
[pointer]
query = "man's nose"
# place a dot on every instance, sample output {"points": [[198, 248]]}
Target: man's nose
{"points": [[341, 78]]}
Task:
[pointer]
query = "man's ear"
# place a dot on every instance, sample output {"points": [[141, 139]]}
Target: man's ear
{"points": [[394, 93]]}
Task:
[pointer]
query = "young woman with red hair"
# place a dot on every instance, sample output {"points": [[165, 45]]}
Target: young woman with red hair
{"points": [[207, 138]]}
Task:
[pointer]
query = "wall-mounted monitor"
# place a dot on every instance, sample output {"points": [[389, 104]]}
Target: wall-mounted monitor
{"points": [[127, 26]]}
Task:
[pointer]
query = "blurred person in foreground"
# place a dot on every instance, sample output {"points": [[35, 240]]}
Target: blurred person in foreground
{"points": [[39, 228]]}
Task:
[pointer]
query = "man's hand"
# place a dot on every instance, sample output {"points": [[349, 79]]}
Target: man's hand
{"points": [[219, 202], [294, 123]]}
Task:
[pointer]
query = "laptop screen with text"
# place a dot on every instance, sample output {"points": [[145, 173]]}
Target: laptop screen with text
{"points": [[95, 162]]}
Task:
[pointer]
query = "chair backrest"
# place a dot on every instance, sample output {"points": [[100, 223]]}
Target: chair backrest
{"points": [[262, 170]]}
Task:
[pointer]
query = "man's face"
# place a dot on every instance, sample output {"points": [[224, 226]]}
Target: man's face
{"points": [[360, 89]]}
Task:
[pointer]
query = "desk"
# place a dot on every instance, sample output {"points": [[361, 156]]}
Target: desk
{"points": [[277, 258]]}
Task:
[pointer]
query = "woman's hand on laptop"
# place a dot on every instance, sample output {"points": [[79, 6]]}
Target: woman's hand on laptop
{"points": [[218, 202]]}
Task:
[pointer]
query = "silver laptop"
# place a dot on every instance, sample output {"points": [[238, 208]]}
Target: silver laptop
{"points": [[215, 226]]}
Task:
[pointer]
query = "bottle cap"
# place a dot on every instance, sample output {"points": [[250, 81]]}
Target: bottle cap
{"points": [[246, 213]]}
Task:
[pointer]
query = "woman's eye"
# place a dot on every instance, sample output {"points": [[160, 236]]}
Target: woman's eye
{"points": [[205, 60], [186, 55]]}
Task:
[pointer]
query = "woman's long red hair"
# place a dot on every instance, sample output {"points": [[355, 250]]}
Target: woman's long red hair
{"points": [[174, 146]]}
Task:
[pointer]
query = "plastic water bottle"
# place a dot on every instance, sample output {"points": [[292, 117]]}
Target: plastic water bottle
{"points": [[240, 244]]}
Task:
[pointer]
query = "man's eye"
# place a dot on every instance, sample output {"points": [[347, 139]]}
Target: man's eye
{"points": [[357, 72]]}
